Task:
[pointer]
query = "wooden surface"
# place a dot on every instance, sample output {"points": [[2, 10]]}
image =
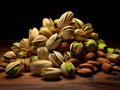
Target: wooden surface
{"points": [[26, 81]]}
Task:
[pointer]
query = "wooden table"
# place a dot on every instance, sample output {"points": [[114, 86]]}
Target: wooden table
{"points": [[27, 81]]}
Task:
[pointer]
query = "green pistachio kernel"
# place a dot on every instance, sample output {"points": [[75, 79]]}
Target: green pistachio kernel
{"points": [[33, 58], [90, 45], [87, 28], [69, 68], [110, 50], [57, 60], [101, 46], [101, 41], [22, 54], [75, 45], [14, 47], [14, 70]]}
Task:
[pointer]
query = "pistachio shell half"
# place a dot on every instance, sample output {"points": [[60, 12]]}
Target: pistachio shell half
{"points": [[24, 43], [9, 55], [77, 23]]}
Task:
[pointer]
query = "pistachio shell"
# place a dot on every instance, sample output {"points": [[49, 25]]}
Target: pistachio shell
{"points": [[42, 52], [48, 22], [39, 40], [56, 58], [51, 73], [36, 66], [33, 33], [77, 23], [24, 43], [67, 55], [45, 31], [53, 42], [68, 69], [65, 19], [9, 55]]}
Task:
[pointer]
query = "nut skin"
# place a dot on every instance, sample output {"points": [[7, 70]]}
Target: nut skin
{"points": [[100, 54], [86, 65], [102, 60], [90, 56], [106, 67], [75, 61]]}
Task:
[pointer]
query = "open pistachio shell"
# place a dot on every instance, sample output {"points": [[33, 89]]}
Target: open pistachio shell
{"points": [[33, 33], [53, 42], [65, 19], [9, 55], [51, 73], [68, 69], [67, 55], [39, 40], [42, 52], [45, 31], [56, 58], [77, 23], [14, 68], [67, 32], [36, 66], [24, 43], [76, 47]]}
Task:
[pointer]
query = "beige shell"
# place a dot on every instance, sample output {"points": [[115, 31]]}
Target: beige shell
{"points": [[33, 33], [36, 66], [53, 42], [67, 32], [47, 22], [42, 52], [56, 58], [24, 43], [39, 40], [67, 55], [68, 71], [65, 19], [76, 47], [45, 31], [51, 73], [78, 24], [9, 55]]}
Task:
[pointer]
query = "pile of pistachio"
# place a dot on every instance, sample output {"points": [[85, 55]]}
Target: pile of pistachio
{"points": [[61, 47]]}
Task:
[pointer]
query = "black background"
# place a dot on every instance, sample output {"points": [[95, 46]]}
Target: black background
{"points": [[17, 17]]}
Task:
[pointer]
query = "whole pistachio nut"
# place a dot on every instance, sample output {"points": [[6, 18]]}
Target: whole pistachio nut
{"points": [[53, 42], [56, 58], [9, 55], [65, 19], [67, 55], [68, 69], [33, 33], [90, 45], [51, 73], [22, 54], [14, 68], [42, 52], [45, 31], [48, 22], [25, 43], [16, 47], [67, 32], [78, 24], [39, 40], [33, 58], [76, 47], [36, 66]]}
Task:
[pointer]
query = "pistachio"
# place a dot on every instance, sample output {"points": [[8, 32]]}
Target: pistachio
{"points": [[33, 58], [76, 47], [39, 40], [50, 73], [65, 19], [42, 52], [102, 47], [94, 36], [56, 58], [33, 33], [9, 55], [24, 43], [53, 42], [68, 69], [22, 54], [45, 31], [110, 50], [78, 24], [14, 68], [26, 64], [36, 66], [67, 55]]}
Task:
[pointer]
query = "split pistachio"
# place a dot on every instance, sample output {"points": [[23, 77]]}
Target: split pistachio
{"points": [[24, 43], [36, 66], [33, 58], [22, 54], [56, 58], [26, 64], [33, 33], [94, 36], [42, 52], [65, 19], [45, 31], [16, 47], [78, 24], [14, 68], [51, 73], [68, 69], [53, 42], [9, 55], [76, 47], [39, 40], [67, 55]]}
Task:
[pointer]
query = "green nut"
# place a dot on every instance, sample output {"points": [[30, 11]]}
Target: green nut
{"points": [[22, 54], [102, 46], [110, 50]]}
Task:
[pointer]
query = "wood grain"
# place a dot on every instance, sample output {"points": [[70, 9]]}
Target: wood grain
{"points": [[26, 81]]}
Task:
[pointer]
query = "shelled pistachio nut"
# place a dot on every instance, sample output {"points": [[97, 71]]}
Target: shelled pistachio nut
{"points": [[56, 58], [42, 52], [14, 68], [68, 69], [65, 19], [36, 66], [51, 73], [53, 42]]}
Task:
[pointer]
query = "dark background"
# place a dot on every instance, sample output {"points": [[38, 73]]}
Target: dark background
{"points": [[17, 17]]}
